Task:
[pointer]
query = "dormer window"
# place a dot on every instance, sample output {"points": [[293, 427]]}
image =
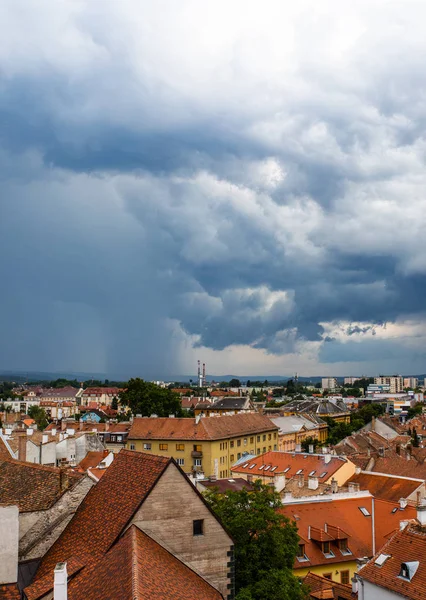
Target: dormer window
{"points": [[343, 547], [326, 549], [408, 570], [301, 556]]}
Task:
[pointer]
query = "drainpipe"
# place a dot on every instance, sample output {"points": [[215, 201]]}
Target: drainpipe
{"points": [[373, 525]]}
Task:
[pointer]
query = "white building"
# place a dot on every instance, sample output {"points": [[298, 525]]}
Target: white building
{"points": [[395, 382], [329, 383], [411, 382]]}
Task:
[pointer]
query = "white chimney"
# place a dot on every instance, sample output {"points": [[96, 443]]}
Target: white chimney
{"points": [[421, 513], [70, 431], [44, 438], [354, 581], [403, 503], [53, 431], [30, 431], [197, 419], [279, 482], [60, 586], [9, 535], [298, 447], [327, 458], [312, 483], [8, 431]]}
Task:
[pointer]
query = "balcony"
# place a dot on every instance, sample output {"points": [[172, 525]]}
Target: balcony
{"points": [[197, 454]]}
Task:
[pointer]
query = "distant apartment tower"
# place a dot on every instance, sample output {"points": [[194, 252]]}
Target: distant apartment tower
{"points": [[411, 382], [329, 383], [350, 380], [395, 383]]}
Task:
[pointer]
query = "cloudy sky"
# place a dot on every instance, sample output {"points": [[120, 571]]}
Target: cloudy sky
{"points": [[242, 182]]}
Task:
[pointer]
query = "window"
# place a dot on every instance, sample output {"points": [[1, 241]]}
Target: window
{"points": [[180, 447], [258, 450], [113, 439], [299, 471], [197, 462], [238, 442], [164, 446], [327, 575], [264, 449], [238, 455], [147, 446], [264, 437], [301, 556], [132, 446], [312, 473], [119, 438], [269, 436], [258, 438], [343, 547], [364, 511], [251, 440], [344, 577], [231, 444], [231, 458], [198, 527], [197, 447], [180, 461], [245, 441], [326, 547]]}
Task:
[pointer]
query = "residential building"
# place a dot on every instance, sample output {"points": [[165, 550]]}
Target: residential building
{"points": [[236, 484], [398, 569], [329, 383], [278, 467], [143, 531], [338, 531], [395, 382], [229, 405], [100, 395], [204, 445], [114, 436], [323, 587], [350, 380], [321, 407], [65, 394], [411, 382], [294, 429], [46, 497]]}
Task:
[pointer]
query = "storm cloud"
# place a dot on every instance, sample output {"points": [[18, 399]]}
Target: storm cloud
{"points": [[227, 177]]}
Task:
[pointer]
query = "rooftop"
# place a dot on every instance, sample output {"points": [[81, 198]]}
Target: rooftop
{"points": [[385, 486], [213, 428], [226, 485], [321, 588]]}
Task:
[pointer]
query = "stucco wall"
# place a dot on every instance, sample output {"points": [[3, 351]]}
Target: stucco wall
{"points": [[9, 536], [40, 530], [167, 516], [368, 591]]}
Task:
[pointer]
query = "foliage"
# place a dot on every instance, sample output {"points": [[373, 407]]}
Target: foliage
{"points": [[309, 441], [415, 438], [39, 415], [235, 383], [114, 404], [359, 418], [265, 540], [276, 584], [146, 398], [415, 410]]}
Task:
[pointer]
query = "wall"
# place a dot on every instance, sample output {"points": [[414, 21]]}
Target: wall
{"points": [[38, 531], [88, 442], [344, 473], [369, 591], [168, 518], [350, 566], [9, 536]]}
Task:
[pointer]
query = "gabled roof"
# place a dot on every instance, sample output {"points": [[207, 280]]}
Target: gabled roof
{"points": [[212, 428], [106, 509], [405, 546], [230, 403], [92, 459], [295, 423], [32, 487], [386, 487], [322, 588], [138, 568], [289, 464], [227, 485]]}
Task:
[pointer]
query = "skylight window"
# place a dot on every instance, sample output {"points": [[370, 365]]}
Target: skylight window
{"points": [[261, 467], [268, 467], [244, 466], [252, 466], [394, 510], [364, 511], [381, 559], [299, 471], [312, 473], [286, 470], [323, 474], [273, 468]]}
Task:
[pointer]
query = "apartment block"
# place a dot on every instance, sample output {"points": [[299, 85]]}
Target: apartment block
{"points": [[395, 382]]}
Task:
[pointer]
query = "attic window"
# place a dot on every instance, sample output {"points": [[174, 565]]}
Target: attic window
{"points": [[408, 570], [323, 474], [268, 467], [381, 559], [299, 471], [312, 473], [273, 468], [244, 466], [261, 467], [286, 470], [364, 511], [252, 466], [394, 510]]}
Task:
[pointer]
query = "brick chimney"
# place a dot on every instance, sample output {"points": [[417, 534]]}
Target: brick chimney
{"points": [[63, 479], [334, 486], [22, 447]]}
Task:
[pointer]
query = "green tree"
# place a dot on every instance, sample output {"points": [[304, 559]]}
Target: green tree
{"points": [[266, 541], [415, 438], [114, 404], [39, 415], [309, 441], [235, 383], [146, 398], [276, 584]]}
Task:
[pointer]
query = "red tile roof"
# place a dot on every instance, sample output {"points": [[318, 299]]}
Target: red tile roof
{"points": [[227, 485], [388, 516], [92, 459], [9, 591], [322, 588], [32, 487], [106, 509], [405, 546], [138, 568], [386, 487], [209, 428], [289, 464]]}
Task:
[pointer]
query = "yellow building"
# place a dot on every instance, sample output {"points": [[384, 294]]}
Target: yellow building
{"points": [[294, 429], [204, 445]]}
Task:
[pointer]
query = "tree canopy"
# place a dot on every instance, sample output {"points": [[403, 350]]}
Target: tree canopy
{"points": [[235, 383], [266, 543], [146, 398], [39, 415]]}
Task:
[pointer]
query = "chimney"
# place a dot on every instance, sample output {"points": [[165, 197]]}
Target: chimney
{"points": [[60, 586], [298, 448], [30, 431], [354, 581], [421, 513], [22, 447], [107, 426], [301, 480], [80, 425], [381, 451], [279, 482], [373, 424], [311, 448], [312, 483], [9, 535], [63, 424], [327, 458], [53, 431], [63, 480], [44, 438], [353, 487], [357, 470], [197, 419], [334, 486]]}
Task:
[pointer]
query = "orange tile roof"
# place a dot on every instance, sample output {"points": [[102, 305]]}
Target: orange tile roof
{"points": [[399, 466], [388, 516], [212, 428], [220, 393], [344, 513], [138, 568], [32, 487], [289, 464], [405, 546], [386, 487], [92, 459], [322, 588], [106, 509], [9, 591]]}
